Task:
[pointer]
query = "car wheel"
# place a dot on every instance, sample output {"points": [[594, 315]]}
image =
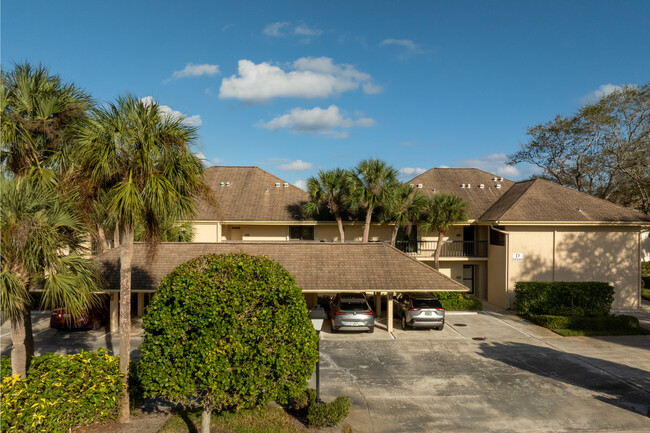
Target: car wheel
{"points": [[439, 328], [97, 325], [371, 330], [404, 324]]}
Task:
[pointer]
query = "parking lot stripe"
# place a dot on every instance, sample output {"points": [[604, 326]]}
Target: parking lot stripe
{"points": [[453, 329]]}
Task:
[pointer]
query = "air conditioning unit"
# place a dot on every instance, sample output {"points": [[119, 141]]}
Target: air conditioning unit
{"points": [[277, 184], [419, 185], [286, 185]]}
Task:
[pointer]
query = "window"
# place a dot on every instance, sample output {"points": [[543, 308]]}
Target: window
{"points": [[497, 238], [301, 233]]}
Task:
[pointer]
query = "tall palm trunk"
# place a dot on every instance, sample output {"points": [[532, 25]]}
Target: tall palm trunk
{"points": [[102, 244], [436, 254], [393, 239], [366, 227], [22, 340], [126, 257], [339, 223]]}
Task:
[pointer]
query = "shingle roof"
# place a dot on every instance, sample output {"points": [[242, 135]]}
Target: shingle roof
{"points": [[316, 266], [450, 181], [545, 201], [249, 194]]}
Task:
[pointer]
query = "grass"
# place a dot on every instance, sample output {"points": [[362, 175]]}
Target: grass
{"points": [[261, 420], [585, 333]]}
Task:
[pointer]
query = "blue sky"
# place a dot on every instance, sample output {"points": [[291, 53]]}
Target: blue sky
{"points": [[295, 86]]}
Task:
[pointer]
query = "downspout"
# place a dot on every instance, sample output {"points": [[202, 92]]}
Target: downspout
{"points": [[507, 260]]}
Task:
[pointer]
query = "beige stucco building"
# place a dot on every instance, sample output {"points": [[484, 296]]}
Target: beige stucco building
{"points": [[517, 231]]}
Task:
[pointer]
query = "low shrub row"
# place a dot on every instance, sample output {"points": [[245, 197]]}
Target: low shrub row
{"points": [[320, 414], [60, 392], [458, 301], [606, 323], [578, 299]]}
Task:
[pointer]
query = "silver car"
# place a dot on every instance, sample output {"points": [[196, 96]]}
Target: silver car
{"points": [[351, 312], [419, 310]]}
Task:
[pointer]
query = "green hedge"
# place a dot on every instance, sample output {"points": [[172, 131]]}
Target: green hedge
{"points": [[645, 282], [606, 323], [318, 413], [60, 392], [581, 299], [458, 301]]}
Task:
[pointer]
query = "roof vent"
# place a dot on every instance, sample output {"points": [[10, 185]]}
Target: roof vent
{"points": [[498, 185], [481, 186], [267, 190], [500, 179], [469, 186], [495, 179], [277, 184], [462, 186], [411, 185], [227, 183], [286, 185], [419, 185], [222, 184]]}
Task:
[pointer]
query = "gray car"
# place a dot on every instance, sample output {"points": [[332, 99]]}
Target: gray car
{"points": [[419, 310], [351, 312]]}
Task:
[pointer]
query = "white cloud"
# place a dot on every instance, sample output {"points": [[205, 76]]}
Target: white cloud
{"points": [[405, 43], [410, 171], [276, 29], [494, 163], [296, 165], [329, 121], [309, 77], [600, 92], [192, 70], [208, 162], [301, 183], [372, 89], [303, 30], [173, 114]]}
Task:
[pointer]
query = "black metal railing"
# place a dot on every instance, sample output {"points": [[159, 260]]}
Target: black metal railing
{"points": [[449, 248]]}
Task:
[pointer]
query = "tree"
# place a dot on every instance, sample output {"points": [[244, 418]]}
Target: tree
{"points": [[328, 189], [603, 149], [39, 112], [440, 213], [140, 156], [370, 184], [227, 331], [403, 206], [42, 248]]}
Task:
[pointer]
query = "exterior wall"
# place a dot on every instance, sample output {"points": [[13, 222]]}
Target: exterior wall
{"points": [[264, 233], [608, 254], [496, 275], [204, 232], [454, 270]]}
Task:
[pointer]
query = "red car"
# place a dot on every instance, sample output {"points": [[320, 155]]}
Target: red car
{"points": [[94, 319]]}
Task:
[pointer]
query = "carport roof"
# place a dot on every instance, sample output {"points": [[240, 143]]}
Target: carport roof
{"points": [[318, 267]]}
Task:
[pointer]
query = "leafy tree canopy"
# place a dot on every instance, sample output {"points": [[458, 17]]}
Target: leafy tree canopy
{"points": [[227, 331]]}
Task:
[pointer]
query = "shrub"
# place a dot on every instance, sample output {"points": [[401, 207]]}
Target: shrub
{"points": [[606, 323], [62, 391], [584, 299], [458, 301], [645, 268], [645, 282], [321, 414], [227, 331]]}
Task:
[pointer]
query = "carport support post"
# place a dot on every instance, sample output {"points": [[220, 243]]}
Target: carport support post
{"points": [[113, 312], [140, 304], [378, 304], [389, 312]]}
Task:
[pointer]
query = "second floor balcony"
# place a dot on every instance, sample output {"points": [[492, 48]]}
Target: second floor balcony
{"points": [[450, 249]]}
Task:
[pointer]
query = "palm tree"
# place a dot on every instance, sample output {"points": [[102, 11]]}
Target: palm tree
{"points": [[440, 213], [38, 111], [370, 184], [41, 244], [328, 189], [141, 157], [403, 207]]}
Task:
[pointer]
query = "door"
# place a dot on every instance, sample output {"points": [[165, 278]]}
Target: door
{"points": [[235, 234], [468, 277], [468, 241]]}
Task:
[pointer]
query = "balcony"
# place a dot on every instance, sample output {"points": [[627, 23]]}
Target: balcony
{"points": [[455, 249]]}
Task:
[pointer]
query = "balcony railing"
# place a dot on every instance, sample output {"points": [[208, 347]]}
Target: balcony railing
{"points": [[449, 248]]}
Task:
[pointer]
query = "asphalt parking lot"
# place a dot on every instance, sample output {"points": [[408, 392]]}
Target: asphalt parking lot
{"points": [[489, 371]]}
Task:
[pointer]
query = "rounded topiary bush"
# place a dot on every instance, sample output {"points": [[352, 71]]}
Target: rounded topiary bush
{"points": [[227, 331]]}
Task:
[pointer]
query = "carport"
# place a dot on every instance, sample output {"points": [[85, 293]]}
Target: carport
{"points": [[318, 267]]}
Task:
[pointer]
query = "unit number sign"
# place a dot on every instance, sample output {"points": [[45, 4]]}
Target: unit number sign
{"points": [[517, 257]]}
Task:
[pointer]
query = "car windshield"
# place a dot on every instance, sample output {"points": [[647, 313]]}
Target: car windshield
{"points": [[353, 305], [426, 303]]}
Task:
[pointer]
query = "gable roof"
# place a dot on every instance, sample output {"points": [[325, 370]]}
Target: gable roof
{"points": [[545, 201], [316, 266], [249, 194], [450, 181]]}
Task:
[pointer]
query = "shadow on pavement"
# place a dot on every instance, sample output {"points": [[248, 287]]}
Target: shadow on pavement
{"points": [[628, 387]]}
